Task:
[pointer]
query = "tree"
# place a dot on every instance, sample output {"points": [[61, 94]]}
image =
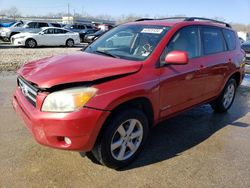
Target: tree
{"points": [[13, 13]]}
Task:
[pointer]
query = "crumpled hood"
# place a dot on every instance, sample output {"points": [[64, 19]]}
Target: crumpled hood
{"points": [[78, 67]]}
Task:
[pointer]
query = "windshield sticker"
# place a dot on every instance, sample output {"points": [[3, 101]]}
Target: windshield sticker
{"points": [[152, 30]]}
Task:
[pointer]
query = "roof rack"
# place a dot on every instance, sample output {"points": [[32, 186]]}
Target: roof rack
{"points": [[170, 18], [186, 19], [207, 19]]}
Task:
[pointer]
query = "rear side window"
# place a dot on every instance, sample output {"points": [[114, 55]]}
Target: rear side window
{"points": [[42, 25], [32, 25], [60, 31], [213, 41], [230, 39]]}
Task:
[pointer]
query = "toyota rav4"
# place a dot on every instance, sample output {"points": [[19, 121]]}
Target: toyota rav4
{"points": [[105, 100]]}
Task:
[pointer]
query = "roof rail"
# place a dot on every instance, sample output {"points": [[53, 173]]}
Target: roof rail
{"points": [[186, 19], [144, 19], [207, 19], [169, 18]]}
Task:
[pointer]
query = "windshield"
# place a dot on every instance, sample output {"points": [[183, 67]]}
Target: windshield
{"points": [[132, 42]]}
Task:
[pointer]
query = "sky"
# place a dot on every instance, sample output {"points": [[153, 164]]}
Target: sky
{"points": [[236, 11]]}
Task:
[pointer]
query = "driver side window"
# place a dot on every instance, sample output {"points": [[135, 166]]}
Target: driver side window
{"points": [[49, 31], [186, 39]]}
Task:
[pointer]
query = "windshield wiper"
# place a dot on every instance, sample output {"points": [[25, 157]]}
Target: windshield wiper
{"points": [[107, 54]]}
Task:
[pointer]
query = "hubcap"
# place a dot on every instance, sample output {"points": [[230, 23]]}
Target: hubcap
{"points": [[70, 43], [32, 43], [228, 95], [127, 139]]}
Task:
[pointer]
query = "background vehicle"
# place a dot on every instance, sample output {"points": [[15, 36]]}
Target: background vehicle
{"points": [[49, 36], [93, 36], [246, 47], [12, 24], [243, 36], [82, 29], [90, 31], [8, 27], [56, 24], [105, 27], [105, 100], [31, 26]]}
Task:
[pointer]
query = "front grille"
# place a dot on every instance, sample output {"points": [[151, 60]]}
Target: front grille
{"points": [[28, 90]]}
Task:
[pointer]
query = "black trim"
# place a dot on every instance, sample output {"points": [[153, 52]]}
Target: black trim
{"points": [[187, 19]]}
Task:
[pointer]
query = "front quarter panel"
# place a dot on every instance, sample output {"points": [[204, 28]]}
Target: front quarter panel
{"points": [[113, 93]]}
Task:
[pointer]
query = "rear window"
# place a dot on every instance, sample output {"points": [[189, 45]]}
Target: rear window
{"points": [[213, 41], [230, 39]]}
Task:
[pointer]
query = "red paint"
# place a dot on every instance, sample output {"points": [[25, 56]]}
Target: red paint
{"points": [[170, 89], [177, 57]]}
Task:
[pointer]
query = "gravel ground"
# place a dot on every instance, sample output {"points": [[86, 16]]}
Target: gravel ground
{"points": [[11, 57]]}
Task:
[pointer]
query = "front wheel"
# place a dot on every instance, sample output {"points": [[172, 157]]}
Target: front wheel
{"points": [[123, 139], [226, 98], [30, 43]]}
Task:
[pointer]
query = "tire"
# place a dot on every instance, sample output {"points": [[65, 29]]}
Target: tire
{"points": [[127, 143], [31, 43], [6, 39], [226, 98], [70, 43], [91, 157]]}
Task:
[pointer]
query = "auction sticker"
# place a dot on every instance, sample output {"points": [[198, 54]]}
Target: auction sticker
{"points": [[152, 30]]}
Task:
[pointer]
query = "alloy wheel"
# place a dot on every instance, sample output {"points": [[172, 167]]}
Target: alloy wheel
{"points": [[126, 139]]}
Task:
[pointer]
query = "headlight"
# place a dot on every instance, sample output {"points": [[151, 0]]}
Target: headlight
{"points": [[68, 100]]}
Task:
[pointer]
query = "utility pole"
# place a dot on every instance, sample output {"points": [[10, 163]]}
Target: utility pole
{"points": [[68, 13], [82, 12]]}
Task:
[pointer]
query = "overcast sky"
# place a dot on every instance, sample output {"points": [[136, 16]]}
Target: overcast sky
{"points": [[231, 10]]}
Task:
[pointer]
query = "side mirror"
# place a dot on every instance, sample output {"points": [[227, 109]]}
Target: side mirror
{"points": [[177, 58], [41, 33]]}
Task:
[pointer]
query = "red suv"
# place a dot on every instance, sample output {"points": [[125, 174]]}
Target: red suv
{"points": [[105, 100]]}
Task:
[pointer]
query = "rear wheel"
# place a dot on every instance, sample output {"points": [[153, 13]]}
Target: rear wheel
{"points": [[70, 43], [31, 43], [226, 98], [123, 139]]}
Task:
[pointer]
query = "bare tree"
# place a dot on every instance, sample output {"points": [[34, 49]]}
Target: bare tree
{"points": [[13, 13]]}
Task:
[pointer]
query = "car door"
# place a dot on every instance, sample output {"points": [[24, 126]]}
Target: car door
{"points": [[182, 86], [215, 59], [47, 38], [61, 36]]}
